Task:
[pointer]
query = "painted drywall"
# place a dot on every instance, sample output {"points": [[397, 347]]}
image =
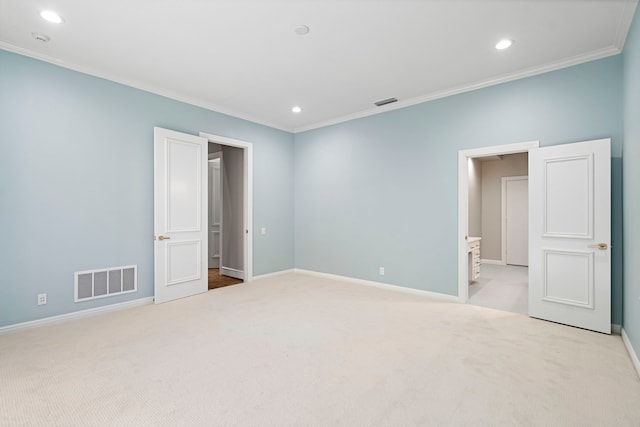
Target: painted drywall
{"points": [[475, 197], [232, 208], [631, 179], [382, 190], [214, 148], [76, 183], [492, 173]]}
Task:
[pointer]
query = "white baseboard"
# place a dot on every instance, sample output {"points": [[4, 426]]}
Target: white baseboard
{"points": [[275, 274], [75, 315], [434, 295], [232, 272], [616, 329], [492, 261], [632, 352]]}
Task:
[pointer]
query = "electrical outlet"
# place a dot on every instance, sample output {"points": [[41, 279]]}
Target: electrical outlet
{"points": [[381, 271], [42, 299], [263, 230]]}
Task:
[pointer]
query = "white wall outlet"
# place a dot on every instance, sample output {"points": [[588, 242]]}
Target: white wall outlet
{"points": [[381, 271], [42, 299], [263, 230]]}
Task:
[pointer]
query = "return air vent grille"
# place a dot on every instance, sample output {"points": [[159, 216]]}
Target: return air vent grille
{"points": [[385, 102], [92, 284]]}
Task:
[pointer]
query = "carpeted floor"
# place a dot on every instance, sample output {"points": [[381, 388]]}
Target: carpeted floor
{"points": [[298, 350], [216, 280]]}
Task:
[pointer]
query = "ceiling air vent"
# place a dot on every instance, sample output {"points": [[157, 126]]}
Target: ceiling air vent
{"points": [[385, 102]]}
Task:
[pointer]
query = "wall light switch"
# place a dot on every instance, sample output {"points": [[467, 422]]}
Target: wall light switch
{"points": [[263, 231]]}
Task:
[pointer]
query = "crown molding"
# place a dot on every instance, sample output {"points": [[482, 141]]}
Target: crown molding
{"points": [[556, 65], [529, 72], [625, 23], [139, 85]]}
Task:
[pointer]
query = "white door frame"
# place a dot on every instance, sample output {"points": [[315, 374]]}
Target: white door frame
{"points": [[247, 148], [503, 223], [463, 203]]}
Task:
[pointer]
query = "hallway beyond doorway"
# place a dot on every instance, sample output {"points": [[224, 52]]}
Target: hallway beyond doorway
{"points": [[503, 287]]}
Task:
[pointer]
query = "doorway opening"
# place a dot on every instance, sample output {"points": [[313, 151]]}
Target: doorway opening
{"points": [[220, 189], [493, 227], [229, 211]]}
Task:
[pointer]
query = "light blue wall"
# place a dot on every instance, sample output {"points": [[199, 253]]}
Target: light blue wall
{"points": [[76, 178], [631, 168], [382, 190], [76, 183]]}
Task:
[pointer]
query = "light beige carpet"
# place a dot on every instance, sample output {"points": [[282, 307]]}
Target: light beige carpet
{"points": [[301, 351]]}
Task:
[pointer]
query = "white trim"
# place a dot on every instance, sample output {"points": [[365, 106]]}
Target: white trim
{"points": [[463, 203], [579, 59], [625, 24], [145, 86], [232, 272], [557, 65], [248, 196], [631, 351], [616, 329], [503, 212], [492, 261], [275, 274], [396, 288], [75, 315]]}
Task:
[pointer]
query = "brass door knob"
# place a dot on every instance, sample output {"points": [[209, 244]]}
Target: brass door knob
{"points": [[601, 246]]}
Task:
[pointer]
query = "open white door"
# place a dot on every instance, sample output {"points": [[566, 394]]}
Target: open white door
{"points": [[180, 215], [570, 232]]}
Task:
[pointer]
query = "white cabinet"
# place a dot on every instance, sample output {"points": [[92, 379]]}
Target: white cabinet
{"points": [[474, 257]]}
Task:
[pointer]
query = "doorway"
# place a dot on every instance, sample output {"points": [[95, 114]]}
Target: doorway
{"points": [[497, 284], [229, 207], [226, 207], [498, 229]]}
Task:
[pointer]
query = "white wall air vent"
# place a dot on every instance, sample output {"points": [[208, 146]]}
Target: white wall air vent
{"points": [[92, 284], [385, 102]]}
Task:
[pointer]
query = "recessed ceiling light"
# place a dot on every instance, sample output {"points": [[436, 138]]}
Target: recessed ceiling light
{"points": [[51, 16], [296, 109], [504, 44], [301, 30]]}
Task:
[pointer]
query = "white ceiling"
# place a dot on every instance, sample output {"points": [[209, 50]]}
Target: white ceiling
{"points": [[242, 57]]}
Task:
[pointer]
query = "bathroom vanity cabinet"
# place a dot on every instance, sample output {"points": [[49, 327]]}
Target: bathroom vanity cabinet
{"points": [[474, 257]]}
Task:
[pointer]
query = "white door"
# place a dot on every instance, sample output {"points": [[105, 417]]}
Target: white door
{"points": [[215, 210], [180, 215], [516, 220], [570, 215]]}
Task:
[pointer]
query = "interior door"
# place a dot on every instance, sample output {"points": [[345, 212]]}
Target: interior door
{"points": [[569, 217], [180, 215], [516, 218], [215, 209]]}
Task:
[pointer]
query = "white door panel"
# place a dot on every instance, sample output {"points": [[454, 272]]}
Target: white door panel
{"points": [[180, 216], [568, 195], [568, 278], [570, 216]]}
